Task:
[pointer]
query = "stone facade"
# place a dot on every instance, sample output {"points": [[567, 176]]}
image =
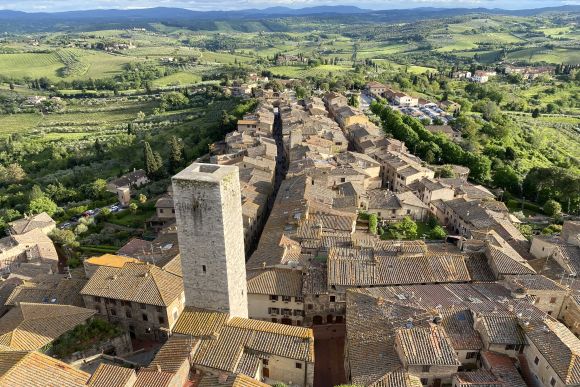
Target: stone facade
{"points": [[211, 237]]}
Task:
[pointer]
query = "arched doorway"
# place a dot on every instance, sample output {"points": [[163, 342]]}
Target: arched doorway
{"points": [[329, 319], [317, 320], [339, 319]]}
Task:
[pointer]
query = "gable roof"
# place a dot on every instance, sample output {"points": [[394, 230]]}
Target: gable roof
{"points": [[237, 344], [32, 326], [135, 282], [22, 368], [281, 282], [26, 224], [110, 375], [427, 346], [559, 346]]}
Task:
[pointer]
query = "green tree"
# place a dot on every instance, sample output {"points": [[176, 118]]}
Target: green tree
{"points": [[373, 222], [153, 162], [526, 230], [175, 154], [96, 189], [81, 229], [142, 198], [133, 207], [552, 208], [63, 237], [404, 229], [437, 232], [35, 193], [12, 173], [42, 204]]}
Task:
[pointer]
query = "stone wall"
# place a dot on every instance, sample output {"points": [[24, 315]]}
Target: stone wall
{"points": [[211, 237]]}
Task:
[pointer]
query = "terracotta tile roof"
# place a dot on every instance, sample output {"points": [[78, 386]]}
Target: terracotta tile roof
{"points": [[24, 225], [374, 269], [111, 260], [147, 378], [231, 345], [503, 367], [21, 368], [109, 375], [282, 282], [136, 282], [479, 378], [504, 258], [239, 380], [398, 378], [559, 346], [54, 289], [533, 282], [479, 269], [501, 329], [458, 324], [200, 323], [427, 346], [174, 353], [31, 326]]}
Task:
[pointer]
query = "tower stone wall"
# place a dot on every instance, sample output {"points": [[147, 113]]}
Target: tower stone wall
{"points": [[208, 210]]}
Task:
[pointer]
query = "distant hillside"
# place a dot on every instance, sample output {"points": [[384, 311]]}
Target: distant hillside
{"points": [[15, 21]]}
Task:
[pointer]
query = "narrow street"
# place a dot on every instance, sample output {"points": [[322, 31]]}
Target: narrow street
{"points": [[329, 343]]}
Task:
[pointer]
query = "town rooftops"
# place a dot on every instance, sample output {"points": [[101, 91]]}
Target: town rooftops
{"points": [[31, 326], [111, 260], [238, 344], [129, 179], [398, 378], [559, 346], [174, 353], [533, 282], [135, 282], [231, 380], [282, 282], [379, 268], [110, 375], [23, 368], [479, 378], [26, 224], [426, 346]]}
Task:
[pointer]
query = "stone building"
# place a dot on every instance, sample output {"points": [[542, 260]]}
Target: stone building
{"points": [[276, 295], [211, 237], [144, 298]]}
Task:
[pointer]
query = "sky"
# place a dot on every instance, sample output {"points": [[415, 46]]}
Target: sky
{"points": [[207, 5]]}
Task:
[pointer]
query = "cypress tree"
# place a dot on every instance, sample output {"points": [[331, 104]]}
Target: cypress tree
{"points": [[175, 154], [152, 164]]}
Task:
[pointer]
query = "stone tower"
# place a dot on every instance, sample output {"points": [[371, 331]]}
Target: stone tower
{"points": [[208, 210]]}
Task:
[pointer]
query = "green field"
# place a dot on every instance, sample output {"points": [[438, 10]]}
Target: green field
{"points": [[177, 79]]}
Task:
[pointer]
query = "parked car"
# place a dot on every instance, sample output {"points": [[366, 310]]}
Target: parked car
{"points": [[65, 225]]}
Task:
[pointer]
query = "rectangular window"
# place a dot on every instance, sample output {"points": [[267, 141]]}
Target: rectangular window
{"points": [[299, 299], [332, 298], [161, 320], [204, 268], [510, 347], [425, 368], [273, 298], [424, 381], [287, 312], [536, 360], [97, 299], [159, 309], [553, 300], [310, 306], [298, 312], [299, 365], [143, 306], [286, 298], [145, 317], [471, 355], [113, 312], [273, 311]]}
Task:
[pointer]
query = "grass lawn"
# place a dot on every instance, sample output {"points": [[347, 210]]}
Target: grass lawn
{"points": [[18, 123], [127, 219], [180, 78]]}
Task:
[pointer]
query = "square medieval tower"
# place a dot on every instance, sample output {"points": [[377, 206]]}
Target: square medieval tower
{"points": [[208, 210]]}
